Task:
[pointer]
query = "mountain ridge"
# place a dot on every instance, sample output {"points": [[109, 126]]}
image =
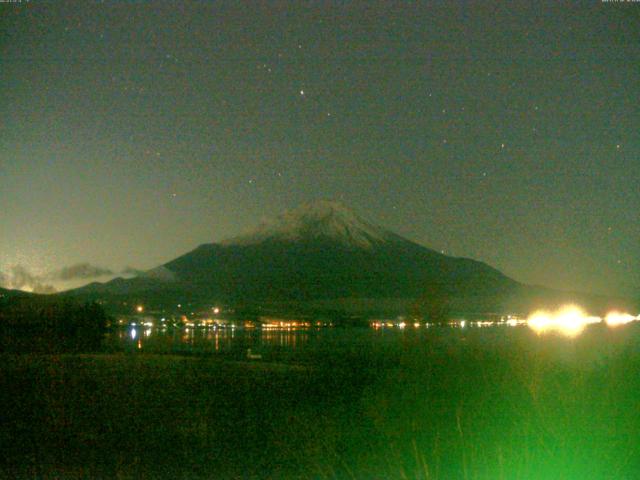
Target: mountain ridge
{"points": [[322, 252]]}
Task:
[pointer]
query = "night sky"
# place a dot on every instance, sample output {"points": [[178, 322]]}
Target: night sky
{"points": [[506, 132]]}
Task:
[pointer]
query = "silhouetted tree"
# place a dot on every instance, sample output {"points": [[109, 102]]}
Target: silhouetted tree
{"points": [[37, 324]]}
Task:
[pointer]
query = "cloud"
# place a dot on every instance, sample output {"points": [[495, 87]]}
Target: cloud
{"points": [[19, 278], [81, 271], [131, 271], [43, 288]]}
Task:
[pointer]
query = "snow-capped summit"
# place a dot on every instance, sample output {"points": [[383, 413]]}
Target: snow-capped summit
{"points": [[320, 219]]}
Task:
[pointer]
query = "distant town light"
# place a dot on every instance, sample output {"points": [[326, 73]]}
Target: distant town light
{"points": [[216, 310], [614, 318], [139, 309], [569, 320]]}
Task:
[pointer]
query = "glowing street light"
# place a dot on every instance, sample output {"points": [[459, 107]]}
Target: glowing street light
{"points": [[569, 320], [614, 319]]}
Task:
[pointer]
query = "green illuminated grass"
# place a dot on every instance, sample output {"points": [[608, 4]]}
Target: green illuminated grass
{"points": [[483, 404]]}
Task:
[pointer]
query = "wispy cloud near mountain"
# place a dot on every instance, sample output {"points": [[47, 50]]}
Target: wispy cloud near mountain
{"points": [[20, 278], [81, 271], [131, 271]]}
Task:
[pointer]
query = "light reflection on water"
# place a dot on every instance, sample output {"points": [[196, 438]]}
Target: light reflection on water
{"points": [[208, 340], [307, 344]]}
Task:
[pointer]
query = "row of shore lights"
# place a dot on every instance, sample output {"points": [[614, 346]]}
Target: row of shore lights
{"points": [[569, 320], [140, 309]]}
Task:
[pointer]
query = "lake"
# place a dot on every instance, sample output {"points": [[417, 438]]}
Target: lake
{"points": [[311, 344]]}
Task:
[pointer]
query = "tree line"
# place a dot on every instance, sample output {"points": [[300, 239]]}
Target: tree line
{"points": [[46, 324]]}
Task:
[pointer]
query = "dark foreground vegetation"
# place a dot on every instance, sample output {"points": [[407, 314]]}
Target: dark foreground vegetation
{"points": [[492, 403], [48, 324]]}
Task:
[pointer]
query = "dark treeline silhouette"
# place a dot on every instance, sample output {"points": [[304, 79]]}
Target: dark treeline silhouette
{"points": [[43, 324]]}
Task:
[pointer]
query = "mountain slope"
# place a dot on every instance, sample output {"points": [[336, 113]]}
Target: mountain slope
{"points": [[6, 293], [323, 268], [321, 252]]}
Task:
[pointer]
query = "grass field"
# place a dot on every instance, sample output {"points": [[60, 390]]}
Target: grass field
{"points": [[486, 404]]}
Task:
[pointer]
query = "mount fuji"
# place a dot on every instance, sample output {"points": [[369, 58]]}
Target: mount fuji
{"points": [[322, 255]]}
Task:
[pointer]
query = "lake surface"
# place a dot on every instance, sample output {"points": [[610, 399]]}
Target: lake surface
{"points": [[272, 344], [308, 344]]}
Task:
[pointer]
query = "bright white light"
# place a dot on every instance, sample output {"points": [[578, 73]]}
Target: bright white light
{"points": [[614, 318], [463, 323], [402, 324], [569, 320], [134, 334], [485, 323], [216, 310]]}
